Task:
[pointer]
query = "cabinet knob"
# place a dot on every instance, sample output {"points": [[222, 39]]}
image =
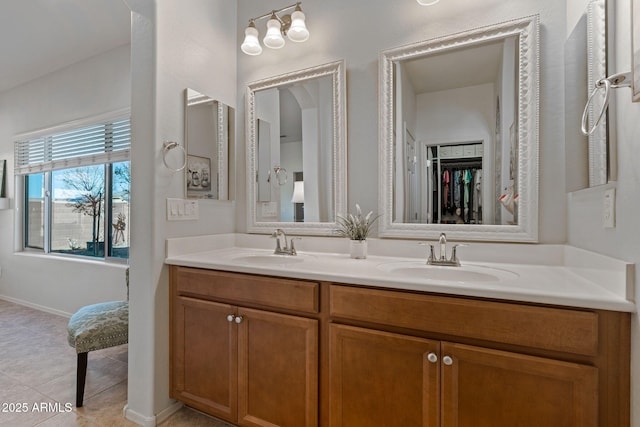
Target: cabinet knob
{"points": [[432, 357], [238, 319], [230, 318], [447, 360]]}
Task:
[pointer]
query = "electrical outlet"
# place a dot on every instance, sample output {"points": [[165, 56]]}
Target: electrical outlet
{"points": [[609, 208]]}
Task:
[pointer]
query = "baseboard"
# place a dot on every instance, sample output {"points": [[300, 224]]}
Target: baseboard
{"points": [[137, 418], [168, 411], [153, 421], [36, 306]]}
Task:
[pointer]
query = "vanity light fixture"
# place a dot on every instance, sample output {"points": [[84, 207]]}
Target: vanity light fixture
{"points": [[427, 2], [293, 26]]}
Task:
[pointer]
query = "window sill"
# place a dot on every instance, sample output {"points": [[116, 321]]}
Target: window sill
{"points": [[34, 253]]}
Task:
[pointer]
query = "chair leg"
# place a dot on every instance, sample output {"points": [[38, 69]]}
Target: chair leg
{"points": [[80, 378]]}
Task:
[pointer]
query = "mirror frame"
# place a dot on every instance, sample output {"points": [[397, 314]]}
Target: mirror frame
{"points": [[339, 167], [528, 115], [224, 142], [596, 69]]}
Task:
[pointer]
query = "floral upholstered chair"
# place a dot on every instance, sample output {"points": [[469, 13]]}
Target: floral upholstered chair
{"points": [[95, 327]]}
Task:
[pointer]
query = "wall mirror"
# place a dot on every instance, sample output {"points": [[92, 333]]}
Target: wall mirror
{"points": [[458, 138], [585, 61], [596, 47], [208, 133], [296, 151]]}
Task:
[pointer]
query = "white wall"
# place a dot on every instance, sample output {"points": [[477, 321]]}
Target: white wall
{"points": [[58, 284], [174, 45], [464, 115], [585, 207], [457, 115], [385, 24]]}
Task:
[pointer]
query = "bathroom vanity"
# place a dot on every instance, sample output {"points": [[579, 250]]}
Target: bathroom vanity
{"points": [[263, 340]]}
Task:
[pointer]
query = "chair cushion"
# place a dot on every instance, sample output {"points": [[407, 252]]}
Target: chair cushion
{"points": [[99, 326]]}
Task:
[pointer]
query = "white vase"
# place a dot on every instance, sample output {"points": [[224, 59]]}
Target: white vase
{"points": [[4, 203], [358, 249]]}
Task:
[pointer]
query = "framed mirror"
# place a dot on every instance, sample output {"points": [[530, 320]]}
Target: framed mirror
{"points": [[296, 151], [208, 133], [458, 137], [596, 46], [585, 62]]}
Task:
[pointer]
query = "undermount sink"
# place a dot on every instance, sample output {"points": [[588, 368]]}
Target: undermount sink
{"points": [[465, 273], [268, 259]]}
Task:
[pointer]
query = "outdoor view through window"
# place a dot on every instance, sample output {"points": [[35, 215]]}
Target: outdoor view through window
{"points": [[79, 199]]}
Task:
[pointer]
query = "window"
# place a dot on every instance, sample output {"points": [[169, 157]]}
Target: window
{"points": [[76, 190]]}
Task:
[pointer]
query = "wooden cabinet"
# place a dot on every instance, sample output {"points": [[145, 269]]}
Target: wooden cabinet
{"points": [[381, 378], [204, 357], [486, 388], [446, 361], [277, 369], [248, 366], [268, 351]]}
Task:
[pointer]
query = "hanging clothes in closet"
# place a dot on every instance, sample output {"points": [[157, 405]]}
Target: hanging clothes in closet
{"points": [[461, 192]]}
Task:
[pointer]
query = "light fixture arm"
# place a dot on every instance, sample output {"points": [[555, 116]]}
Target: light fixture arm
{"points": [[275, 12]]}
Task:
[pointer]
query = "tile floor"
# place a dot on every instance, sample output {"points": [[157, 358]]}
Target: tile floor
{"points": [[38, 374]]}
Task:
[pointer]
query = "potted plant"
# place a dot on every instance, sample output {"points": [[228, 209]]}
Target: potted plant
{"points": [[356, 228]]}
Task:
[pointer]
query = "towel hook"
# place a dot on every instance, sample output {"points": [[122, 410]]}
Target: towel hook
{"points": [[614, 81], [168, 146]]}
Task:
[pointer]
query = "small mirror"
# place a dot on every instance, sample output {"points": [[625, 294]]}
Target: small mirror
{"points": [[585, 62], [208, 132], [296, 151], [599, 147], [459, 135]]}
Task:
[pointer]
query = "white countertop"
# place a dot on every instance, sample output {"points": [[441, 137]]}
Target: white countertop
{"points": [[583, 279]]}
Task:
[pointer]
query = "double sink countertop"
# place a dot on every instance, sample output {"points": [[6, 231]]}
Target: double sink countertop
{"points": [[548, 274]]}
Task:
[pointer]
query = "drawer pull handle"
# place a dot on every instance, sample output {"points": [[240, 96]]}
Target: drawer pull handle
{"points": [[238, 319], [230, 318], [432, 357], [447, 360]]}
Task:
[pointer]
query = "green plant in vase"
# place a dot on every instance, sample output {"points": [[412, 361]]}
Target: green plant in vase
{"points": [[356, 228]]}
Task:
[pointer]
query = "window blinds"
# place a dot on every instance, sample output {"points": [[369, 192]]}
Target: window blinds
{"points": [[90, 145]]}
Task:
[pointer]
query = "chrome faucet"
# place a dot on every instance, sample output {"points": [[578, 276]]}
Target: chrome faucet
{"points": [[453, 261], [282, 247]]}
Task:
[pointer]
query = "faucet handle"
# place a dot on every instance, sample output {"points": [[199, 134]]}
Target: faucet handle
{"points": [[292, 246], [276, 235], [432, 255], [454, 257]]}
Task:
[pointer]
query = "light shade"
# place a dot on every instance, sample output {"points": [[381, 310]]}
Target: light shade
{"points": [[298, 192], [427, 2], [298, 31], [273, 39], [251, 44]]}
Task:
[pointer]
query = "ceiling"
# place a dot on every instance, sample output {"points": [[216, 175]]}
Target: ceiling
{"points": [[38, 37], [464, 67]]}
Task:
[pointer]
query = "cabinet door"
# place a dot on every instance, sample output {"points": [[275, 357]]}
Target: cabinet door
{"points": [[204, 357], [277, 370], [382, 379], [488, 388]]}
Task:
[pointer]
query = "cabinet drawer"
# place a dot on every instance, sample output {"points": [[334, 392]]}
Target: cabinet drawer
{"points": [[244, 288], [572, 331]]}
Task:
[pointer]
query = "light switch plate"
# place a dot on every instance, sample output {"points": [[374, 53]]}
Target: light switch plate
{"points": [[609, 208], [182, 210]]}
